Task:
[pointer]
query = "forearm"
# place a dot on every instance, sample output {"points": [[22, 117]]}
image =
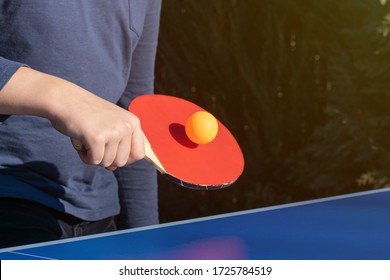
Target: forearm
{"points": [[28, 92]]}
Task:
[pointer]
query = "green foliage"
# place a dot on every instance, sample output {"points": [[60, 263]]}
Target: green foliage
{"points": [[303, 85], [353, 142]]}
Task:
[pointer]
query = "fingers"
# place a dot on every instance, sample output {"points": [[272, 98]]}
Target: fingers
{"points": [[119, 147], [111, 153]]}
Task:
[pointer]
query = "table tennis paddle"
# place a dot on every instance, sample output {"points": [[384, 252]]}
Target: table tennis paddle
{"points": [[214, 165]]}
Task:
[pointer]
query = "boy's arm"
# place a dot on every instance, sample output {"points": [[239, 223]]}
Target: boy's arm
{"points": [[112, 136]]}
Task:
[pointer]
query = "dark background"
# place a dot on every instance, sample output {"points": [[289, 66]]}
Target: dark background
{"points": [[303, 85]]}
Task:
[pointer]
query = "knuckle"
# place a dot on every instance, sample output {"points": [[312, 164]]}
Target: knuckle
{"points": [[115, 133], [98, 139], [136, 120], [133, 122]]}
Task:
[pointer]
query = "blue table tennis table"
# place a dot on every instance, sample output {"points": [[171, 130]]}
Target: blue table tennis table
{"points": [[354, 227]]}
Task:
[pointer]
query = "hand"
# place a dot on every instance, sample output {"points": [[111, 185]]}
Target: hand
{"points": [[111, 136]]}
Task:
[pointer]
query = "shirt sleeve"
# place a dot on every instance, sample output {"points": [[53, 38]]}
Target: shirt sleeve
{"points": [[7, 69], [138, 181]]}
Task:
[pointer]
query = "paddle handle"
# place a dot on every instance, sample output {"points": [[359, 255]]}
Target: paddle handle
{"points": [[150, 156]]}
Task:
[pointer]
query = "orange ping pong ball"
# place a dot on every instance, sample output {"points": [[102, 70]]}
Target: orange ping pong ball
{"points": [[201, 127]]}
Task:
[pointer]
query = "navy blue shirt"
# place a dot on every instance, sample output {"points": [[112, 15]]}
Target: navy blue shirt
{"points": [[106, 47]]}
